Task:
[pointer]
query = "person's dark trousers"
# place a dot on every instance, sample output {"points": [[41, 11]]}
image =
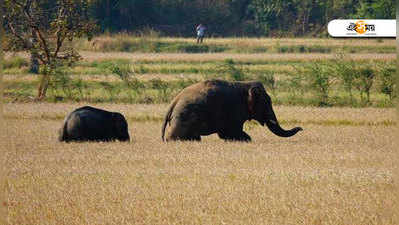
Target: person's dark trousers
{"points": [[199, 39]]}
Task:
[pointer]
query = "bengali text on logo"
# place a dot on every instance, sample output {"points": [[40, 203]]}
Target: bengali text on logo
{"points": [[362, 28]]}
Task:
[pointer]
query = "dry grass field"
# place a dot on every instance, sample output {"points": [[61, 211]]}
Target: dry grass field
{"points": [[331, 173], [338, 171], [246, 41], [212, 57], [290, 41]]}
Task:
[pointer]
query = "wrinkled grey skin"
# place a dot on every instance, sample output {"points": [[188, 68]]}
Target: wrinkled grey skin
{"points": [[221, 107], [92, 124]]}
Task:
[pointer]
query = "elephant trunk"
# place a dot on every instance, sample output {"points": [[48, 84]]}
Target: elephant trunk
{"points": [[274, 126]]}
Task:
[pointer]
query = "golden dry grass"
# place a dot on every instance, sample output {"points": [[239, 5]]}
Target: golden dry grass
{"points": [[246, 42], [295, 41], [287, 114], [110, 78], [323, 175], [198, 57], [206, 57]]}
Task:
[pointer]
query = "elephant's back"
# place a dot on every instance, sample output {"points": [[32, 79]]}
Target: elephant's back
{"points": [[89, 121], [206, 89]]}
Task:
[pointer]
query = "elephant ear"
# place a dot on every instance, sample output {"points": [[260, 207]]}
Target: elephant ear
{"points": [[253, 95]]}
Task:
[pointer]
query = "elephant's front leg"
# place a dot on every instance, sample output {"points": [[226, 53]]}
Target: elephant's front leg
{"points": [[234, 136]]}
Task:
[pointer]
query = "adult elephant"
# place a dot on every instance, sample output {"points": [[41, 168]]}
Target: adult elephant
{"points": [[92, 124], [221, 107]]}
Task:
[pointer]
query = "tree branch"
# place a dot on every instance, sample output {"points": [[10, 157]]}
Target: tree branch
{"points": [[36, 29], [13, 31], [60, 40], [41, 59]]}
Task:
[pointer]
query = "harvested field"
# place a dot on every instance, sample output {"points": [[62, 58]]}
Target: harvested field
{"points": [[156, 112], [339, 170], [328, 174], [212, 57]]}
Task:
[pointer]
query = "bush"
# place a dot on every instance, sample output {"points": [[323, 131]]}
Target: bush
{"points": [[388, 82], [161, 87], [228, 68], [364, 82], [346, 70], [295, 86], [125, 73], [268, 80], [62, 85], [319, 79]]}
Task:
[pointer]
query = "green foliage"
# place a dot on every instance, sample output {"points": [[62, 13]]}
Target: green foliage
{"points": [[42, 27], [163, 88], [319, 79], [379, 9], [388, 81], [231, 71], [296, 84], [346, 70], [364, 82], [62, 85], [154, 18], [321, 82], [105, 64], [125, 73], [111, 90], [15, 62], [267, 78]]}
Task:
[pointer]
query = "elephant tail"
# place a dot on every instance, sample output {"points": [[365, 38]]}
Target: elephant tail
{"points": [[167, 119], [63, 132]]}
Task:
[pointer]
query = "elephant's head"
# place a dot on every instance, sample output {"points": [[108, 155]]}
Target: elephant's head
{"points": [[260, 109], [120, 127]]}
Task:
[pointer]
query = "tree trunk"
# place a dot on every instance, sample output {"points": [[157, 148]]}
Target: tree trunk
{"points": [[42, 90], [34, 62]]}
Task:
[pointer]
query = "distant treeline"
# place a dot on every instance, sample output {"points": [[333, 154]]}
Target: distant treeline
{"points": [[234, 17]]}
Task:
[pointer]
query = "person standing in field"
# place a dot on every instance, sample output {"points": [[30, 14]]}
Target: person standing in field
{"points": [[200, 32]]}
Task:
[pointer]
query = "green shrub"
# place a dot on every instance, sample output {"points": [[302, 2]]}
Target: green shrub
{"points": [[183, 83], [364, 82], [161, 87], [63, 86], [106, 64], [388, 81], [193, 48], [319, 79], [268, 80], [346, 70], [125, 73], [15, 62], [318, 48], [301, 48], [229, 69], [284, 49]]}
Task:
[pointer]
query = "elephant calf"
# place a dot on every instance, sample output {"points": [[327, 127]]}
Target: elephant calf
{"points": [[217, 106], [92, 124]]}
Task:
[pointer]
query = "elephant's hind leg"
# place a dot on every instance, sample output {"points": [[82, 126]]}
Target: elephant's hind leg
{"points": [[182, 132], [186, 137]]}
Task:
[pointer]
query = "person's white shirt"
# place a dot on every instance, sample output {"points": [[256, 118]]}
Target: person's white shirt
{"points": [[201, 30]]}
